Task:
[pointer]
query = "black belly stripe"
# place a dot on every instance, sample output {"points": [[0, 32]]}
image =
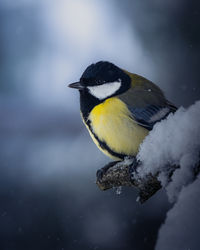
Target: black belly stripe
{"points": [[103, 144]]}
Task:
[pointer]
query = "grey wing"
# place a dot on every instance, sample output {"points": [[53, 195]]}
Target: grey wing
{"points": [[147, 104]]}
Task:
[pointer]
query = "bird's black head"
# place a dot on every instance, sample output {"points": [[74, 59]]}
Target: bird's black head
{"points": [[99, 82], [102, 72], [103, 80]]}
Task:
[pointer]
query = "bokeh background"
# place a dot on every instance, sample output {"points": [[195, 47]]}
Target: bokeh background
{"points": [[48, 196]]}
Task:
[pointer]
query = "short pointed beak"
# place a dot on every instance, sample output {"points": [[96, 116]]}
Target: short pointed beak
{"points": [[76, 85]]}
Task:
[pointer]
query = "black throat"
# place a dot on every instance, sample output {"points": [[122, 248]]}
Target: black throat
{"points": [[87, 103]]}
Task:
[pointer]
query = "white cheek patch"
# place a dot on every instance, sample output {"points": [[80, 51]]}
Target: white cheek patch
{"points": [[105, 90]]}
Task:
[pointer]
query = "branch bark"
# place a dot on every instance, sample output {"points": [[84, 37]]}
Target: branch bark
{"points": [[122, 174]]}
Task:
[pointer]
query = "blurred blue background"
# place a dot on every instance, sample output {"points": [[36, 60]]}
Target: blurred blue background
{"points": [[48, 162]]}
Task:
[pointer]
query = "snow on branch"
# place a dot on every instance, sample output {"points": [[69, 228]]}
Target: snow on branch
{"points": [[168, 157]]}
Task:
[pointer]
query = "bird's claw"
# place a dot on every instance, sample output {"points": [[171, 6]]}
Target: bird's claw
{"points": [[132, 162], [133, 167]]}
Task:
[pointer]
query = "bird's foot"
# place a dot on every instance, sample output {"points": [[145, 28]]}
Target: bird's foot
{"points": [[130, 161], [100, 172], [134, 163]]}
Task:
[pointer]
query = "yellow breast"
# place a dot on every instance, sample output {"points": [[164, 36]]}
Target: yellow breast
{"points": [[112, 123]]}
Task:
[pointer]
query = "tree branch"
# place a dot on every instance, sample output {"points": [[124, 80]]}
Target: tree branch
{"points": [[124, 174]]}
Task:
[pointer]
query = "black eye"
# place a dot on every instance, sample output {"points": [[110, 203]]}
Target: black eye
{"points": [[99, 82]]}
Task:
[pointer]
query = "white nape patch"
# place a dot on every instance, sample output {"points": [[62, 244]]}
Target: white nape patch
{"points": [[104, 90], [159, 115]]}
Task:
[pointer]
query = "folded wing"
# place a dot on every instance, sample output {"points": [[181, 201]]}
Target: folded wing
{"points": [[147, 104]]}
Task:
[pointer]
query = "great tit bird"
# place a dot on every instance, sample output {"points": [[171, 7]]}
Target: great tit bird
{"points": [[119, 108]]}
